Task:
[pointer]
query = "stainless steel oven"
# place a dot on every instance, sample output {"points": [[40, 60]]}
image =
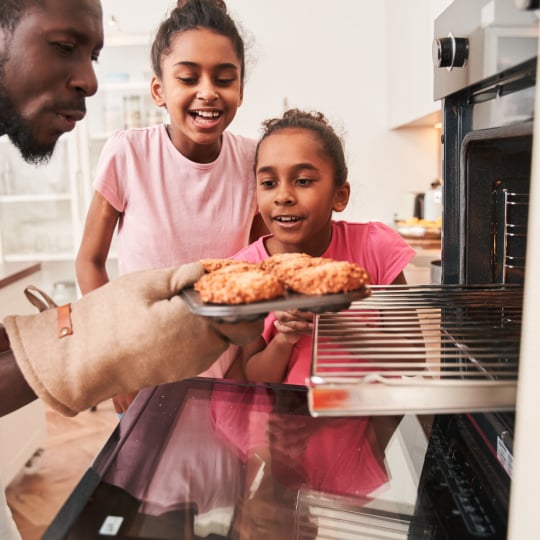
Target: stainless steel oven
{"points": [[454, 349]]}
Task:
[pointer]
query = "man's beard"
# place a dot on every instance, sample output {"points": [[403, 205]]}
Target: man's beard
{"points": [[20, 130]]}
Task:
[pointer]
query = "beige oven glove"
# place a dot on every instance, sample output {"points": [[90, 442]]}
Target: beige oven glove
{"points": [[133, 332]]}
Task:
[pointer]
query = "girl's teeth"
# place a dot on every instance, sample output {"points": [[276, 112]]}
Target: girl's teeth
{"points": [[287, 218], [205, 114]]}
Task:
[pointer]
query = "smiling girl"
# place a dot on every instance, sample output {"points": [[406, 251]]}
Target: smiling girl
{"points": [[301, 181], [186, 190]]}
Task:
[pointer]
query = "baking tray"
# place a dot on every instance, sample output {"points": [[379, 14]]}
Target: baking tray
{"points": [[248, 312]]}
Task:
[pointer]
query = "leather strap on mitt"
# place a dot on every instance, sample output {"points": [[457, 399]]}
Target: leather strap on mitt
{"points": [[133, 332]]}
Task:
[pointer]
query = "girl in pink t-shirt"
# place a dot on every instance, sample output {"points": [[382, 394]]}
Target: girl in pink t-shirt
{"points": [[301, 180], [182, 191]]}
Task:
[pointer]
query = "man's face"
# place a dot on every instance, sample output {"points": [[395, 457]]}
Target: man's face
{"points": [[46, 72]]}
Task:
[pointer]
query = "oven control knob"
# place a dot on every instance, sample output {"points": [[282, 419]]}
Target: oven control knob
{"points": [[527, 4], [450, 52]]}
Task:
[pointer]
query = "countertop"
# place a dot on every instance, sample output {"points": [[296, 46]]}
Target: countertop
{"points": [[11, 272]]}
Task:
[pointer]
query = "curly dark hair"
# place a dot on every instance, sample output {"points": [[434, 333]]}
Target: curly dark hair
{"points": [[318, 124], [189, 14]]}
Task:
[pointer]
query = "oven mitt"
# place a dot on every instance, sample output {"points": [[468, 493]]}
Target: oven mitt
{"points": [[133, 332]]}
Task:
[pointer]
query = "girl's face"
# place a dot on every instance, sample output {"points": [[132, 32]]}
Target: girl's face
{"points": [[201, 88], [296, 192]]}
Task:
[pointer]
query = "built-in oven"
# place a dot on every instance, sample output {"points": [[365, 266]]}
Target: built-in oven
{"points": [[485, 76], [454, 349]]}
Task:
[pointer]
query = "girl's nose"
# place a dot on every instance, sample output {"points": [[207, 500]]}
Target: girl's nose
{"points": [[207, 91], [84, 79], [284, 196]]}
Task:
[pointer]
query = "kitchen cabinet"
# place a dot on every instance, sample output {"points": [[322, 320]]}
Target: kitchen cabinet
{"points": [[410, 66], [22, 432], [122, 101], [39, 205], [43, 207]]}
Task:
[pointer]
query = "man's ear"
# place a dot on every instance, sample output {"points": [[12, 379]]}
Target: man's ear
{"points": [[341, 197], [156, 91]]}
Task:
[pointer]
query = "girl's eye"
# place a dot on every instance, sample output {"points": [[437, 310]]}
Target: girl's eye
{"points": [[304, 181], [188, 80], [225, 82], [267, 184]]}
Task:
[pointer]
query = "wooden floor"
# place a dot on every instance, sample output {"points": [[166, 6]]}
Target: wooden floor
{"points": [[70, 447]]}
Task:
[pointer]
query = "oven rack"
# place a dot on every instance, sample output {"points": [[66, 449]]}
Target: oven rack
{"points": [[338, 517], [418, 349]]}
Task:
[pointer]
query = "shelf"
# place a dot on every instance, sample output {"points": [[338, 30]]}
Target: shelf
{"points": [[43, 197], [121, 39], [101, 136], [37, 256], [139, 86]]}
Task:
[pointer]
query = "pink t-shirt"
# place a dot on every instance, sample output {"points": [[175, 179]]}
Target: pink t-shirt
{"points": [[374, 246], [341, 456], [175, 210]]}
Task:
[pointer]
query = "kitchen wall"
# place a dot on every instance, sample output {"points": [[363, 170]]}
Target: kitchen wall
{"points": [[332, 57]]}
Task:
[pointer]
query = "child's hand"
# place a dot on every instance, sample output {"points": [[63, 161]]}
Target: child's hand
{"points": [[293, 324]]}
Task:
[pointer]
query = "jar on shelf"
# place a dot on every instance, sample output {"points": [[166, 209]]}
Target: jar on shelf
{"points": [[154, 116], [132, 112], [64, 292]]}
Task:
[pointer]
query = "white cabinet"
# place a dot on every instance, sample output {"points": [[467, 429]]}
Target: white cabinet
{"points": [[43, 208], [39, 205], [122, 101], [23, 431], [409, 60]]}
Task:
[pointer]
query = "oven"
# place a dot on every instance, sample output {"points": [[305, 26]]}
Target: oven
{"points": [[454, 350], [485, 76]]}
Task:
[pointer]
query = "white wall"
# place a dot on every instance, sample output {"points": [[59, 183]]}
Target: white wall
{"points": [[330, 57]]}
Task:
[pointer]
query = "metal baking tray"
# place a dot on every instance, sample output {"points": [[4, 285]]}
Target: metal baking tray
{"points": [[248, 312]]}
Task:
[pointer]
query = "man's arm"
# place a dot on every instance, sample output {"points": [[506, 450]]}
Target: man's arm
{"points": [[14, 390], [133, 332]]}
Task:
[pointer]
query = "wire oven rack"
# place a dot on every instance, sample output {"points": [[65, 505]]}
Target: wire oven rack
{"points": [[420, 350], [336, 517]]}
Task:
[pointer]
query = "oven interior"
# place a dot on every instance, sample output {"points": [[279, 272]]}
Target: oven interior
{"points": [[497, 165]]}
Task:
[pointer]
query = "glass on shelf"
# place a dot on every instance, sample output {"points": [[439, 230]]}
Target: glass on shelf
{"points": [[132, 111], [18, 178], [44, 228]]}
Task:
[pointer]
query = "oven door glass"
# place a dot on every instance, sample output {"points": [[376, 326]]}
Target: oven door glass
{"points": [[208, 459]]}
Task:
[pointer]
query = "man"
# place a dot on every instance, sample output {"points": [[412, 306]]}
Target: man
{"points": [[47, 50], [133, 332]]}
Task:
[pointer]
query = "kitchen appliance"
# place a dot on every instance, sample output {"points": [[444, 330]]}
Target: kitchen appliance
{"points": [[485, 74], [487, 87], [215, 459]]}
